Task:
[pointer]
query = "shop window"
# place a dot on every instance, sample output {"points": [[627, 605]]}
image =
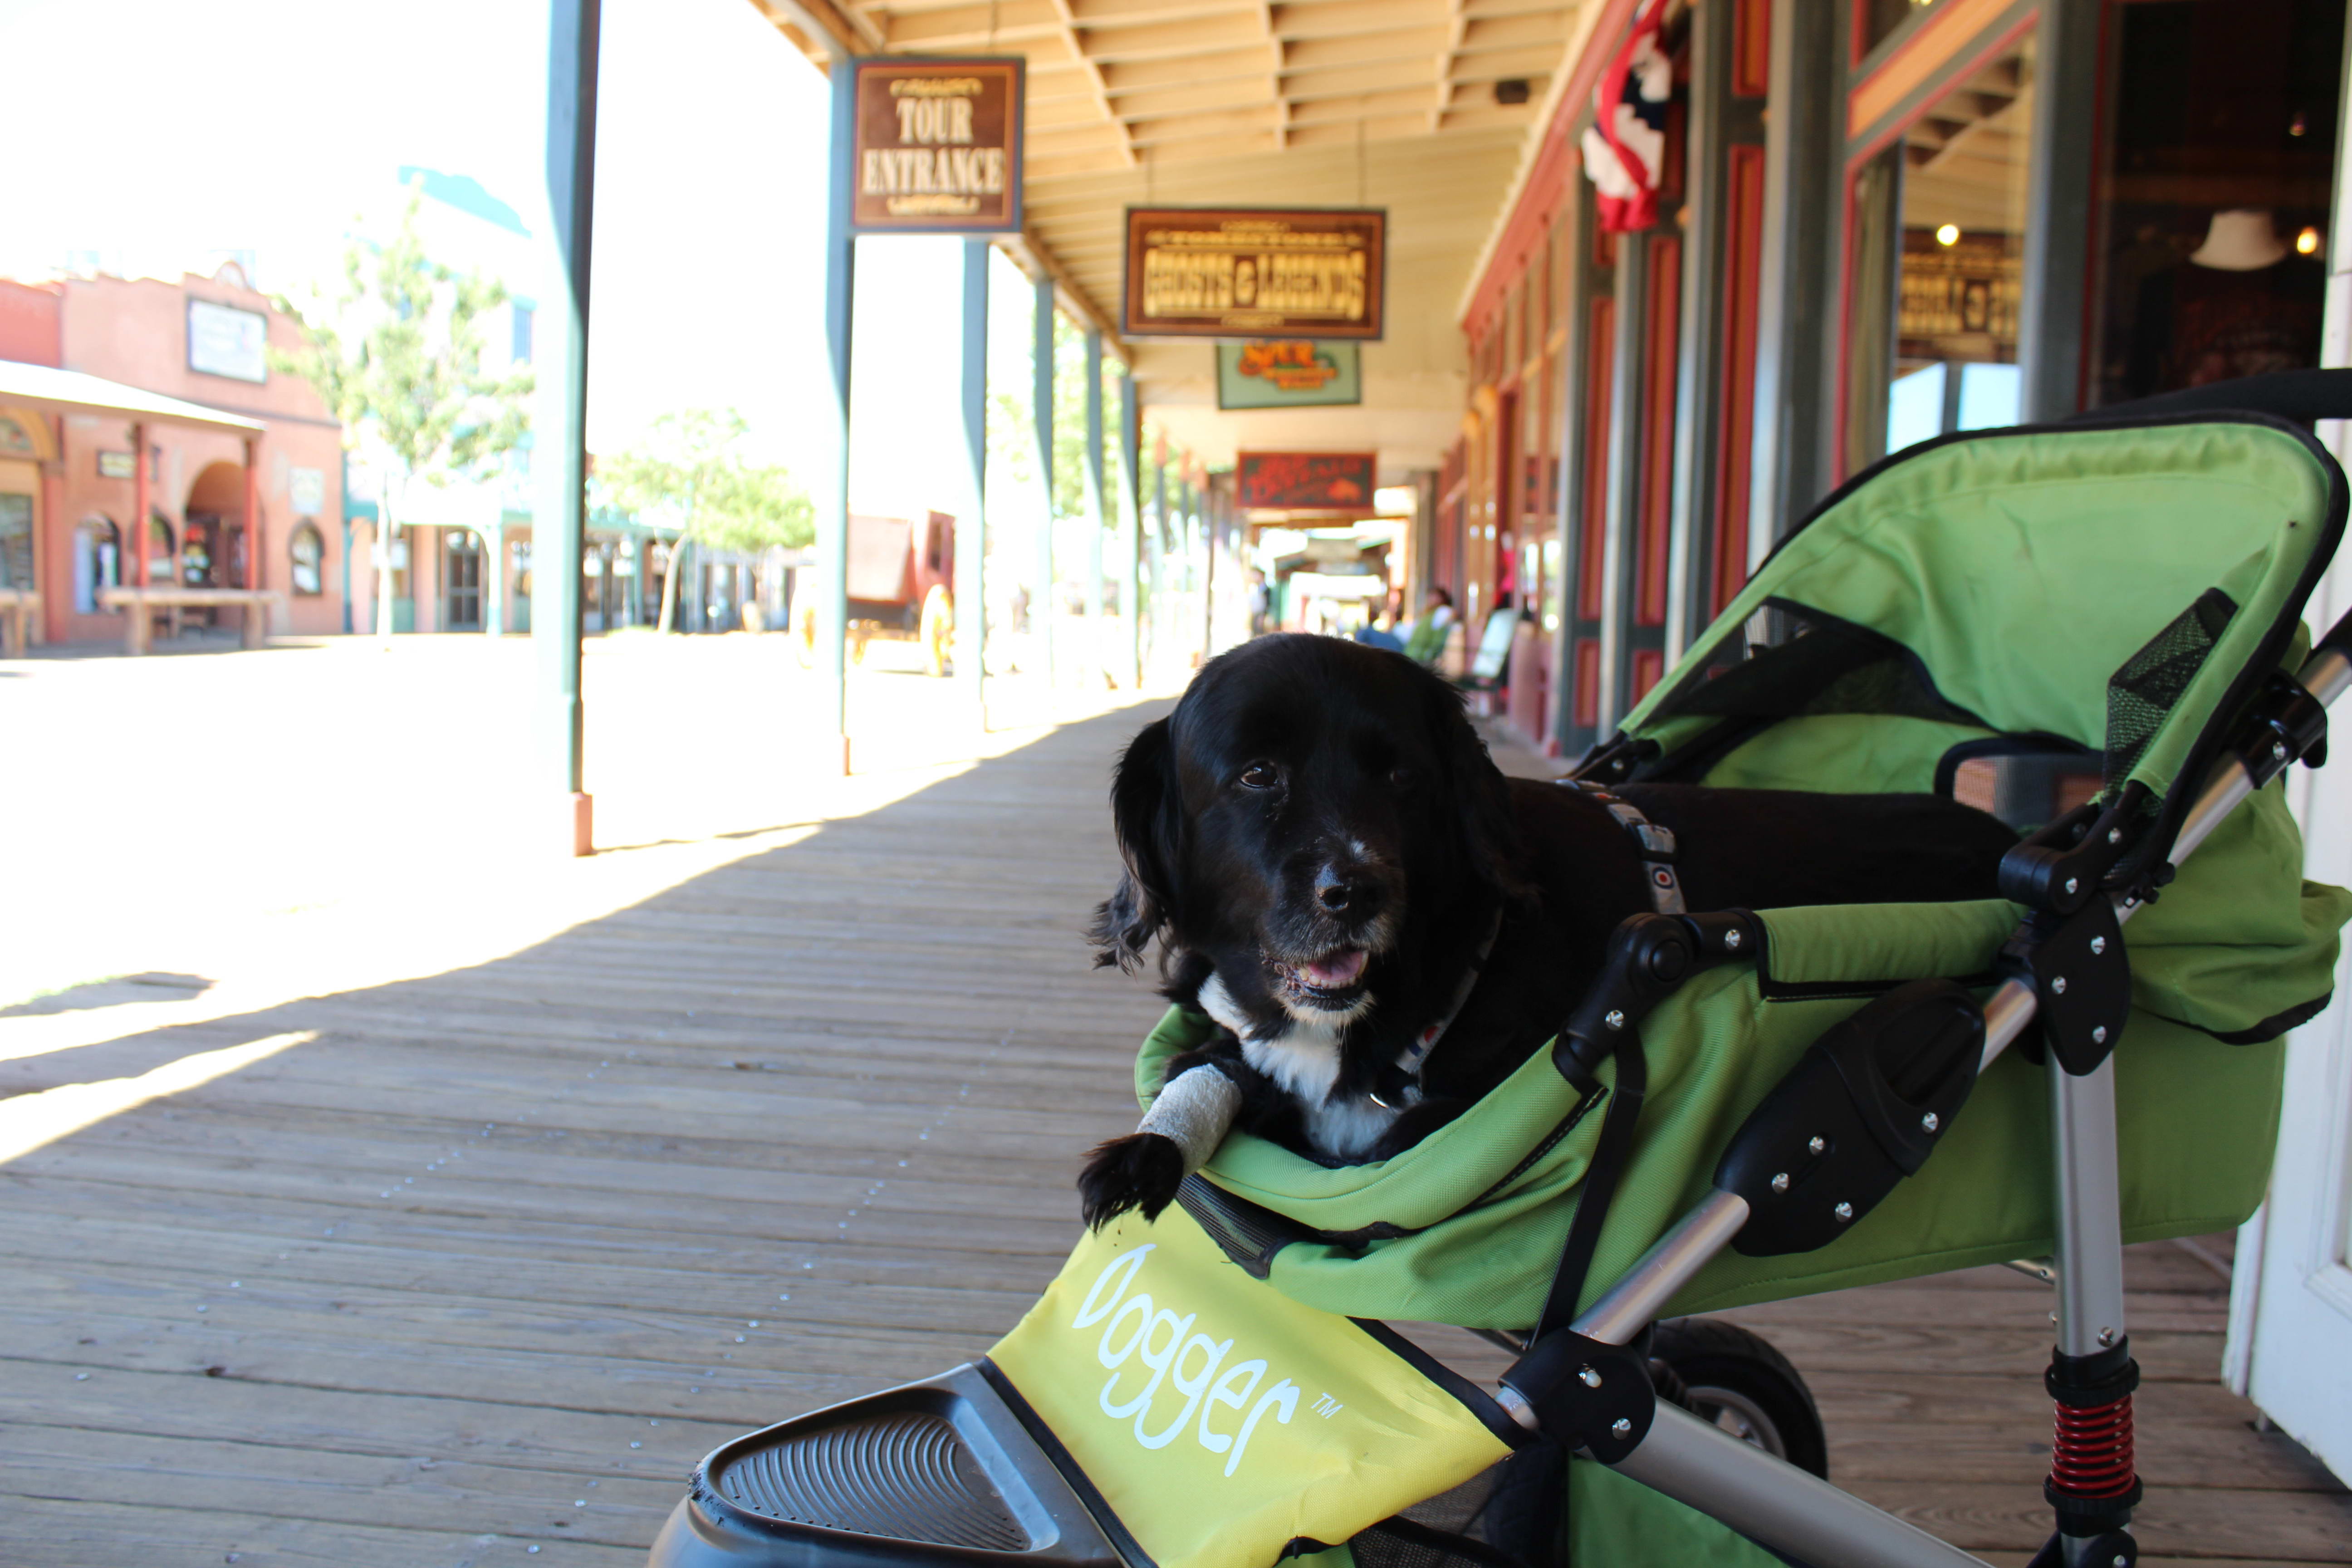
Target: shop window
{"points": [[1935, 251], [309, 553], [97, 562], [15, 540], [2212, 243]]}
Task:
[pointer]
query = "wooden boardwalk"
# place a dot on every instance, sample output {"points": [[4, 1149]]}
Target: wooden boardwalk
{"points": [[474, 1275]]}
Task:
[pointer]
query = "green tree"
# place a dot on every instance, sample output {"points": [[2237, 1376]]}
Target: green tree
{"points": [[690, 472], [396, 355]]}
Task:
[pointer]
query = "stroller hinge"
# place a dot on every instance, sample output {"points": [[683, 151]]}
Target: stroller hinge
{"points": [[2081, 977], [1649, 956], [2286, 723], [2063, 866], [1585, 1393]]}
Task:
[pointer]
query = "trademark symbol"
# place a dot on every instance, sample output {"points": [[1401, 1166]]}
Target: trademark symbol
{"points": [[1326, 1406]]}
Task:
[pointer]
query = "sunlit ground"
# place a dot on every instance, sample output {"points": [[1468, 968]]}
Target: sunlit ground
{"points": [[212, 831]]}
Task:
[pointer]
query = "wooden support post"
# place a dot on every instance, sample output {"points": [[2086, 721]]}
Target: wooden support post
{"points": [[1043, 608], [1131, 587], [971, 527], [1097, 512], [253, 543], [560, 446], [833, 505], [138, 504]]}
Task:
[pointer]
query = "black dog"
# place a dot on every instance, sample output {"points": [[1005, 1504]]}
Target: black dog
{"points": [[1322, 845]]}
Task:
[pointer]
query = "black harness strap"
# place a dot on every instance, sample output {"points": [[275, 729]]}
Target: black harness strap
{"points": [[1610, 1154]]}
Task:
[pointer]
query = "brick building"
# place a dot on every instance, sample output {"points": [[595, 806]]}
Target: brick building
{"points": [[252, 497]]}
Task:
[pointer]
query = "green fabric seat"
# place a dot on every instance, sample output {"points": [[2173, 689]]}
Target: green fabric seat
{"points": [[2124, 590]]}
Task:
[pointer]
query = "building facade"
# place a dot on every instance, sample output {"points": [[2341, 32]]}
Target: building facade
{"points": [[1875, 221], [68, 483]]}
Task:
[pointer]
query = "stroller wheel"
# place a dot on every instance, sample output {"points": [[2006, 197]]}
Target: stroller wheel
{"points": [[1737, 1381]]}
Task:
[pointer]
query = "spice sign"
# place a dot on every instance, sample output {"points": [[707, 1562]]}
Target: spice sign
{"points": [[1288, 372], [1232, 272], [937, 148]]}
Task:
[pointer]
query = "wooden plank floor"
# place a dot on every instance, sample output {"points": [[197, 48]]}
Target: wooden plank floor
{"points": [[475, 1275]]}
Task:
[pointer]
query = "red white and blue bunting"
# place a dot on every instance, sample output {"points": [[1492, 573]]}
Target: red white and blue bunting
{"points": [[1626, 144]]}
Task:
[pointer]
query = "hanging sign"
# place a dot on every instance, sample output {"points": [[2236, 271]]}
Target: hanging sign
{"points": [[936, 145], [1306, 481], [1231, 272], [1288, 372]]}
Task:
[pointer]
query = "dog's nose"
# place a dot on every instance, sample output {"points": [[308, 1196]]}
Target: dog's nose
{"points": [[1344, 895]]}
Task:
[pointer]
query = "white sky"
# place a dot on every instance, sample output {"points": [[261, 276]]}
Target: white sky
{"points": [[172, 132]]}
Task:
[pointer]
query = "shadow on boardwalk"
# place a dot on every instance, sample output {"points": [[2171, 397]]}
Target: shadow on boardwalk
{"points": [[495, 1258], [490, 1261]]}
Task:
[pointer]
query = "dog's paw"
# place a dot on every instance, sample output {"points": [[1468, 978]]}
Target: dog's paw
{"points": [[1140, 1171]]}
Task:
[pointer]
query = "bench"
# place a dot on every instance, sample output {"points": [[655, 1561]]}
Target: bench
{"points": [[17, 608], [258, 604]]}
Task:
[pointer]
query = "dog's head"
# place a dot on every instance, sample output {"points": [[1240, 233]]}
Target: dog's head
{"points": [[1309, 808]]}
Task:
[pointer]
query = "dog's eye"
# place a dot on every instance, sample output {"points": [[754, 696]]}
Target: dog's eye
{"points": [[1402, 778], [1261, 776]]}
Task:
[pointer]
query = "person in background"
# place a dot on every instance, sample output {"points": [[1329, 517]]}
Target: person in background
{"points": [[1380, 629], [1261, 604], [1427, 640]]}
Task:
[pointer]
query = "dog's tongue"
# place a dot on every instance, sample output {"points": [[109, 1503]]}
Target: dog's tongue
{"points": [[1336, 971]]}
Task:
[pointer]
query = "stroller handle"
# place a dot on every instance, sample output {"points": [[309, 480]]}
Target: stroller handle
{"points": [[1646, 1288]]}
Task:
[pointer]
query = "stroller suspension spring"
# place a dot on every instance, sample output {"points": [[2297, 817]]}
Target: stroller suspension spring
{"points": [[2091, 1449]]}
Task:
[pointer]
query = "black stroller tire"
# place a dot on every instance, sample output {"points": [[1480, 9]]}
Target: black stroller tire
{"points": [[1737, 1381]]}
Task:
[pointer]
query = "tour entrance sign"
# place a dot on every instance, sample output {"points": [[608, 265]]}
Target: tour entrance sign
{"points": [[937, 148]]}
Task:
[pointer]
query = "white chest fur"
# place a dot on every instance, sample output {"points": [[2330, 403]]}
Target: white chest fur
{"points": [[1302, 1055]]}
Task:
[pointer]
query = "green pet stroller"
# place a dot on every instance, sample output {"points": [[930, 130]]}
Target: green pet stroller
{"points": [[2091, 629]]}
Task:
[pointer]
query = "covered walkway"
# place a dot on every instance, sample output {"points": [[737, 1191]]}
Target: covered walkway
{"points": [[469, 1267]]}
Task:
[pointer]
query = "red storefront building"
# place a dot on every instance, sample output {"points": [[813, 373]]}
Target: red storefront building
{"points": [[241, 465]]}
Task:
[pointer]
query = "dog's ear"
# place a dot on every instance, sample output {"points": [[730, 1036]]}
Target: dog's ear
{"points": [[1146, 815], [1479, 796]]}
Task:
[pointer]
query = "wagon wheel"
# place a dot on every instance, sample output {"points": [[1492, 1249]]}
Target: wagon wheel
{"points": [[937, 630], [804, 635]]}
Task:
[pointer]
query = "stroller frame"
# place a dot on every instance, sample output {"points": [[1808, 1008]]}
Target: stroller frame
{"points": [[1555, 1387], [1780, 1505]]}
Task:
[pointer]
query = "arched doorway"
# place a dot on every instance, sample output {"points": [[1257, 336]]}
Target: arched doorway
{"points": [[461, 580], [215, 527]]}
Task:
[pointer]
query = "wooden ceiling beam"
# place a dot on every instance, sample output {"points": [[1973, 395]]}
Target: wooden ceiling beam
{"points": [[1227, 30], [1505, 65], [1203, 98], [1457, 22], [1541, 30], [1415, 44], [1291, 20], [1124, 76], [1414, 99], [1309, 87]]}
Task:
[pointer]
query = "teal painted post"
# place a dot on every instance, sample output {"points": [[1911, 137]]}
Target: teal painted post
{"points": [[1097, 512], [560, 447], [1131, 587], [971, 527], [832, 503], [1043, 609], [493, 581]]}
